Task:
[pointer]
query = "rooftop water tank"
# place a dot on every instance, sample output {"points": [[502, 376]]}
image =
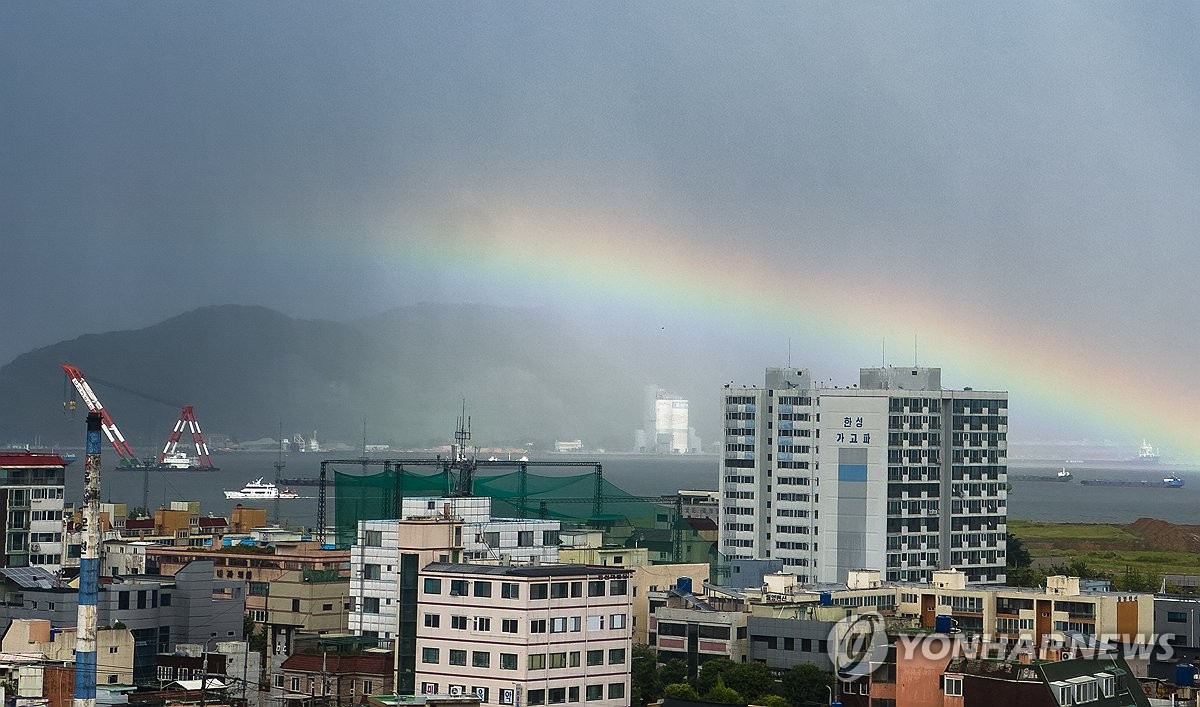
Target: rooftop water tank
{"points": [[826, 599], [1185, 674], [684, 584]]}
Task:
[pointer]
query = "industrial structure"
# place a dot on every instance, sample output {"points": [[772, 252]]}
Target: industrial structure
{"points": [[89, 567], [170, 457]]}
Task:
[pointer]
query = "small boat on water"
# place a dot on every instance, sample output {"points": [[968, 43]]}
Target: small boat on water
{"points": [[1063, 475], [1172, 481], [262, 489]]}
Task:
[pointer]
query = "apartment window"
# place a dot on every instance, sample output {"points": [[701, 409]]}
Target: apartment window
{"points": [[596, 588], [370, 605], [576, 624], [559, 590], [596, 623], [537, 626], [576, 589], [617, 587], [327, 607], [510, 590], [372, 571], [508, 661], [458, 587], [429, 655], [481, 659], [482, 589], [616, 656], [558, 695], [491, 539], [595, 657], [537, 661], [458, 623], [368, 687], [952, 686], [433, 585], [509, 625], [296, 605], [537, 697], [122, 600], [374, 538], [276, 681], [558, 660], [616, 621], [616, 690], [433, 620], [538, 591], [574, 659], [295, 684], [483, 623], [573, 693], [259, 589], [594, 692], [458, 657], [524, 538], [558, 625], [1177, 617]]}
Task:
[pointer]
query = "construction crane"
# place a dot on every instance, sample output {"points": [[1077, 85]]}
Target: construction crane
{"points": [[118, 441]]}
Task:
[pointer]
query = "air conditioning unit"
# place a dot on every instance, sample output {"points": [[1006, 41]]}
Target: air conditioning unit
{"points": [[456, 690]]}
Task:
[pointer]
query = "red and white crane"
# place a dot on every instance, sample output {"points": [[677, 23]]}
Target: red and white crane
{"points": [[187, 420], [124, 451]]}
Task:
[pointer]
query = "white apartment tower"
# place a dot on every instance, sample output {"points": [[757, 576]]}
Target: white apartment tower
{"points": [[895, 474]]}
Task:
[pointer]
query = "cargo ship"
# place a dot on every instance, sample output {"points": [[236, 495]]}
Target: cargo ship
{"points": [[1171, 481]]}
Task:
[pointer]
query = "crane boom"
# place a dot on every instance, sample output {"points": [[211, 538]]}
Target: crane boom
{"points": [[124, 451]]}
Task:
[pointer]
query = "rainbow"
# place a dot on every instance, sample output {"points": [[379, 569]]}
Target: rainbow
{"points": [[651, 271]]}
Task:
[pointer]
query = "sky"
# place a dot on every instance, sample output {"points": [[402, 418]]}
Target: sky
{"points": [[1008, 191]]}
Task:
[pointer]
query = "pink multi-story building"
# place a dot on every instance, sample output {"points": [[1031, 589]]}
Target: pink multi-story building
{"points": [[529, 635]]}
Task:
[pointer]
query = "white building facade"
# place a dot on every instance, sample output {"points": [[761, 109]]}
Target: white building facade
{"points": [[32, 488], [895, 474], [530, 635], [437, 530]]}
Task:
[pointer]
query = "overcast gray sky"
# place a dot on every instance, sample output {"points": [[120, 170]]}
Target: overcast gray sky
{"points": [[1031, 169]]}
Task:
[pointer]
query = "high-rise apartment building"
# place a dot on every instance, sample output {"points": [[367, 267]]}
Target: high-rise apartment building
{"points": [[665, 429], [31, 503], [895, 474]]}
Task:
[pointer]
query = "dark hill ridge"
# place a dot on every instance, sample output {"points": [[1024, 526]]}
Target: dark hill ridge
{"points": [[528, 375]]}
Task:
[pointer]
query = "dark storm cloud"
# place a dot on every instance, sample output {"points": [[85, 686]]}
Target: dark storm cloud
{"points": [[1034, 160]]}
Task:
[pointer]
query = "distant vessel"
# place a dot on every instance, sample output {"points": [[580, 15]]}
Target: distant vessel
{"points": [[262, 489], [180, 461], [1062, 475], [1171, 481], [1146, 454]]}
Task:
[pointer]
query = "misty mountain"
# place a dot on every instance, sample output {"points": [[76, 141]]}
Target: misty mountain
{"points": [[526, 375]]}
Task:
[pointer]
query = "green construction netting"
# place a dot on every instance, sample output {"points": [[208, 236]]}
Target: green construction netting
{"points": [[569, 499]]}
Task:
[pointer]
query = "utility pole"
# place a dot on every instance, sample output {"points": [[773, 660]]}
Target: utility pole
{"points": [[203, 673]]}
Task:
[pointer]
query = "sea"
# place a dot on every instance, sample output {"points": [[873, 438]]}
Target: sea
{"points": [[656, 475]]}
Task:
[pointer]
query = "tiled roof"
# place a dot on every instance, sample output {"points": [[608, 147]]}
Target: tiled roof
{"points": [[33, 459], [362, 663]]}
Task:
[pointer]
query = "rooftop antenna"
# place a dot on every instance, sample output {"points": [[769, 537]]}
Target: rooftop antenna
{"points": [[914, 350], [364, 446], [883, 353], [789, 352]]}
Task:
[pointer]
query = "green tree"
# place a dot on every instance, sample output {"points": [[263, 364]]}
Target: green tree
{"points": [[645, 683], [680, 691], [724, 695], [773, 701], [1017, 555], [712, 669], [750, 680], [673, 671], [806, 684]]}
